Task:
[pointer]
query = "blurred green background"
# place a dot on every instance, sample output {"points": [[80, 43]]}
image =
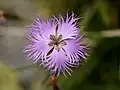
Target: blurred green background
{"points": [[100, 20]]}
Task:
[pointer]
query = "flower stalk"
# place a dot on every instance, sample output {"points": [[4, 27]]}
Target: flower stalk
{"points": [[54, 83]]}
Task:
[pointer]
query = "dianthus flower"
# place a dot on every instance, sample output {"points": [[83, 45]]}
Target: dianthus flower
{"points": [[56, 43]]}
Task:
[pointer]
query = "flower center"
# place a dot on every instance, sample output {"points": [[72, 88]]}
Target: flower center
{"points": [[56, 42]]}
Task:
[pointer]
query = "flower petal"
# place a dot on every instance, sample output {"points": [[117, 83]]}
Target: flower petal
{"points": [[67, 28], [75, 51], [57, 63], [48, 28], [36, 25], [38, 48], [44, 27]]}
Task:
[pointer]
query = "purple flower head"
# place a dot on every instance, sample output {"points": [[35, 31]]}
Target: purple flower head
{"points": [[57, 44]]}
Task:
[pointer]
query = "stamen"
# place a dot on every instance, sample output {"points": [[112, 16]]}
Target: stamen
{"points": [[50, 52], [53, 37], [56, 30], [51, 43], [56, 42], [57, 48], [62, 43], [59, 37]]}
